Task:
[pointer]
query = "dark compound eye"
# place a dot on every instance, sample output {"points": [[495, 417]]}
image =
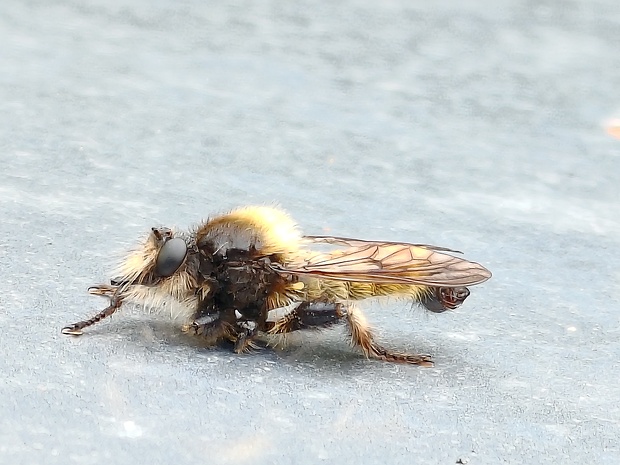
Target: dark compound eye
{"points": [[170, 257]]}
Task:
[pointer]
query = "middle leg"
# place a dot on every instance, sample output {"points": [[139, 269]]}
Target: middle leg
{"points": [[308, 315], [212, 332]]}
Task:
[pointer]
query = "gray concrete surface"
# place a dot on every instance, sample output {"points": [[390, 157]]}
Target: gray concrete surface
{"points": [[480, 127]]}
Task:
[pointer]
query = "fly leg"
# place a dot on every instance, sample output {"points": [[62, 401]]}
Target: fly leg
{"points": [[212, 332], [246, 335], [361, 336], [115, 302], [225, 326], [314, 315], [308, 315]]}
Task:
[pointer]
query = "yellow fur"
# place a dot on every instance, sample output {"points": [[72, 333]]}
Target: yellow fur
{"points": [[327, 289], [216, 294], [139, 262], [269, 231], [173, 296]]}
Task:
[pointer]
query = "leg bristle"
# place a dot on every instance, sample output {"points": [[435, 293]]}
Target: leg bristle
{"points": [[361, 336], [287, 324], [213, 332], [308, 315], [76, 328]]}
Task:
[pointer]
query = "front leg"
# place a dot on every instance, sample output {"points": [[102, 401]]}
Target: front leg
{"points": [[250, 321], [241, 334], [105, 290], [212, 332], [247, 332]]}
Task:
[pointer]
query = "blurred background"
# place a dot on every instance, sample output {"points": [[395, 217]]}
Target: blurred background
{"points": [[491, 127]]}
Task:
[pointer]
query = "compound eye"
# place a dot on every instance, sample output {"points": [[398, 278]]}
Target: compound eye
{"points": [[170, 257]]}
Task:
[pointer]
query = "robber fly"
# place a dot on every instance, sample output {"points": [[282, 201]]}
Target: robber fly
{"points": [[250, 272]]}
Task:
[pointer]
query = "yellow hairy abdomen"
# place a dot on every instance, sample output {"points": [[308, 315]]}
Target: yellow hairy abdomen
{"points": [[318, 289]]}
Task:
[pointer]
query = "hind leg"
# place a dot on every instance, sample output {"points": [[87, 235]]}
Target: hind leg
{"points": [[315, 315], [361, 336]]}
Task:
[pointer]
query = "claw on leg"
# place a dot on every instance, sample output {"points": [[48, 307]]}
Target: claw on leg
{"points": [[76, 328], [212, 332], [103, 290], [314, 315], [245, 344], [361, 336]]}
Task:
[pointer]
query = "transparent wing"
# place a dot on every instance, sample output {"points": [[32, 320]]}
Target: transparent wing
{"points": [[387, 262], [360, 242]]}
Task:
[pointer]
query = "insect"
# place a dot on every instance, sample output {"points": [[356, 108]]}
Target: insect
{"points": [[250, 272]]}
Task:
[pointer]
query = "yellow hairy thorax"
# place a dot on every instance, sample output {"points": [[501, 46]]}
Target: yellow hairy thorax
{"points": [[267, 229]]}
